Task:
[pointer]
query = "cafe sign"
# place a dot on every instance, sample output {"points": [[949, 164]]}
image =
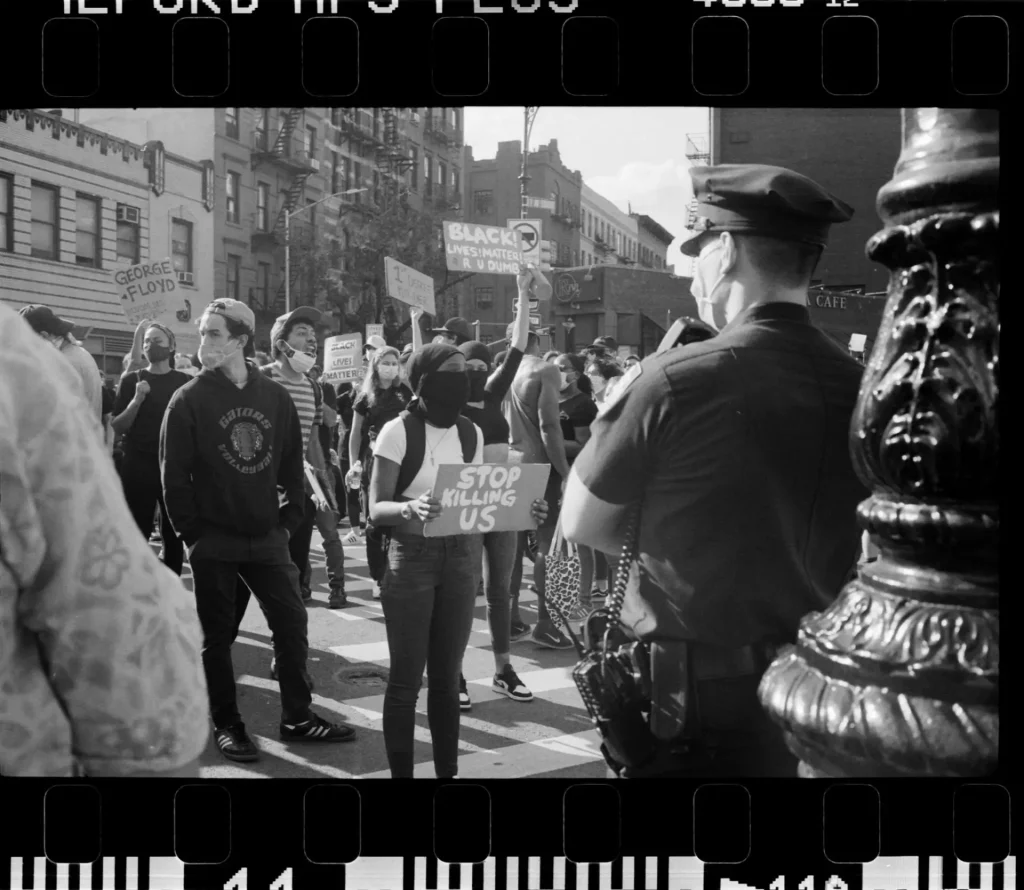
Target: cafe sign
{"points": [[567, 288]]}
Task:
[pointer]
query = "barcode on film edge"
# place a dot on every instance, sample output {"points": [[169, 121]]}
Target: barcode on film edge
{"points": [[507, 873]]}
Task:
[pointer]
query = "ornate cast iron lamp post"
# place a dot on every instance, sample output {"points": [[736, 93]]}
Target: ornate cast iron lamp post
{"points": [[899, 677]]}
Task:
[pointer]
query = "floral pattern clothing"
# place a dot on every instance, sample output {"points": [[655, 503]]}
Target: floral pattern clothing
{"points": [[100, 666]]}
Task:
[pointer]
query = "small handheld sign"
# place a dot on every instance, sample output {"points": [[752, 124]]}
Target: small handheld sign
{"points": [[487, 249], [343, 358], [480, 498], [150, 291]]}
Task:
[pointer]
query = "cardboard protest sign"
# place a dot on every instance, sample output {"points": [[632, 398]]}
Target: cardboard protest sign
{"points": [[150, 291], [343, 358], [471, 248], [408, 286], [481, 498]]}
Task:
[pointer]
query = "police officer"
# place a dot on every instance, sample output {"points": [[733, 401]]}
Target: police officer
{"points": [[738, 445]]}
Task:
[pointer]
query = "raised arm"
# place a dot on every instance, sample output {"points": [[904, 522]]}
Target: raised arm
{"points": [[415, 314], [549, 415]]}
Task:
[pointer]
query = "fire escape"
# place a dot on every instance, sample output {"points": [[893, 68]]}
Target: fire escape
{"points": [[286, 156], [438, 129]]}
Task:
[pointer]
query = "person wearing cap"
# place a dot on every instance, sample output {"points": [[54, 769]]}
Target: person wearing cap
{"points": [[293, 345], [534, 418], [455, 332], [731, 457], [58, 332], [139, 407], [230, 441], [374, 342], [101, 671]]}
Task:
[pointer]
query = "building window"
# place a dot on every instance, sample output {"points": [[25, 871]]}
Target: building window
{"points": [[264, 285], [234, 187], [312, 212], [414, 170], [428, 174], [376, 187], [262, 121], [231, 122], [442, 175], [357, 180], [310, 142], [456, 178], [555, 252], [181, 245], [6, 212], [234, 275], [335, 186], [127, 236], [484, 297], [87, 231], [44, 221], [415, 115], [575, 258], [483, 202], [262, 207]]}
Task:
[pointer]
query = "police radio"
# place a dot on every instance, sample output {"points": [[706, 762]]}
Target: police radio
{"points": [[684, 331]]}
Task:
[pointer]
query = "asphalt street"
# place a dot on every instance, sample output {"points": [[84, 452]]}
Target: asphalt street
{"points": [[550, 736]]}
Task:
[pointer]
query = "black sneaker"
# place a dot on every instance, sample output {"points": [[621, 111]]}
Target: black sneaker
{"points": [[507, 683], [464, 702], [519, 630], [234, 743], [337, 600], [550, 637], [307, 596], [316, 729]]}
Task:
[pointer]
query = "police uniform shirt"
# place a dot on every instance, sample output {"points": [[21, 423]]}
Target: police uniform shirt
{"points": [[740, 447]]}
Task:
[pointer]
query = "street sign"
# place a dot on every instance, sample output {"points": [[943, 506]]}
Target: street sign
{"points": [[540, 203], [409, 286], [535, 320], [530, 235]]}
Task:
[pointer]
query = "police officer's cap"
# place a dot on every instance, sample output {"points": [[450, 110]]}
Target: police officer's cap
{"points": [[757, 199]]}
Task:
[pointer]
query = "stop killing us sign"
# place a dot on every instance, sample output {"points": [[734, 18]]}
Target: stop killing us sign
{"points": [[480, 498]]}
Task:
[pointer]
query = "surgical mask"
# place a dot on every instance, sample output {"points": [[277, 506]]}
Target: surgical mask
{"points": [[213, 357], [705, 296], [301, 362], [444, 395], [158, 354], [387, 372], [598, 382]]}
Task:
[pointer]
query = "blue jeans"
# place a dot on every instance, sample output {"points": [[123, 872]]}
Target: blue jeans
{"points": [[428, 596]]}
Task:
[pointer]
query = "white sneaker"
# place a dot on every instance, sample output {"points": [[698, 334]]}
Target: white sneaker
{"points": [[376, 591], [353, 537]]}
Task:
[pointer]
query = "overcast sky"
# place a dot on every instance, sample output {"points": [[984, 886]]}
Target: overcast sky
{"points": [[628, 155]]}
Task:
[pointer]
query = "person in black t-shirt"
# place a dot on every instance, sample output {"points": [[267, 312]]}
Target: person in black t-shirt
{"points": [[382, 398], [349, 496], [142, 399]]}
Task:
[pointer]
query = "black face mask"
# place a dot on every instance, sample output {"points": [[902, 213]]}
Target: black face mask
{"points": [[444, 394], [477, 382], [158, 354]]}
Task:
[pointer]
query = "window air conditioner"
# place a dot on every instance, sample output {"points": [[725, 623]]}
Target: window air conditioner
{"points": [[315, 164], [185, 277], [127, 214]]}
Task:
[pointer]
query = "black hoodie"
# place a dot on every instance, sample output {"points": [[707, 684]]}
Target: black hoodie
{"points": [[225, 452]]}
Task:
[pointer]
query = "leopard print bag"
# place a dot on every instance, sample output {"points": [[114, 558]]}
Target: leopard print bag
{"points": [[562, 579]]}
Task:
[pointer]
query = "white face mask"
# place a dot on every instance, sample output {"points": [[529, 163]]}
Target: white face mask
{"points": [[387, 372], [705, 296], [301, 362], [212, 358]]}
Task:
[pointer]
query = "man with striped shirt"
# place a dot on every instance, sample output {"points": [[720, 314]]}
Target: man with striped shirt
{"points": [[294, 347]]}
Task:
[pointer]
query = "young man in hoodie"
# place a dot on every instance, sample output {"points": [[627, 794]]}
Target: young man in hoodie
{"points": [[230, 440]]}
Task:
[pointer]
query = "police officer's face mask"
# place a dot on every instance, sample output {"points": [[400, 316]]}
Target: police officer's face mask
{"points": [[710, 266]]}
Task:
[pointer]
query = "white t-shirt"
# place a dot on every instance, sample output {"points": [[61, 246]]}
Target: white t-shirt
{"points": [[441, 447]]}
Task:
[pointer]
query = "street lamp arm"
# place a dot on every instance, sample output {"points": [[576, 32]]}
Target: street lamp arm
{"points": [[305, 207]]}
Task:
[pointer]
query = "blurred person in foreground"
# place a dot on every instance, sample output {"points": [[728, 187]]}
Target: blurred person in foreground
{"points": [[99, 643], [230, 440], [732, 456]]}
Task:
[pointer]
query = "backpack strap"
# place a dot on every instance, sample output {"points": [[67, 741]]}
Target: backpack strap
{"points": [[467, 436], [415, 449]]}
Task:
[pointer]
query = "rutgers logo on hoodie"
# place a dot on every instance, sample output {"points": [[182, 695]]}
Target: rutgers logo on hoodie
{"points": [[247, 448]]}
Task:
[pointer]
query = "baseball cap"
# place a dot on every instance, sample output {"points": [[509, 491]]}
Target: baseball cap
{"points": [[608, 343], [233, 309], [375, 342], [457, 326], [758, 199], [43, 320], [302, 313]]}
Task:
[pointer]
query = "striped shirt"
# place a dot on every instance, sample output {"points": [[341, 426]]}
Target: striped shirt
{"points": [[305, 403]]}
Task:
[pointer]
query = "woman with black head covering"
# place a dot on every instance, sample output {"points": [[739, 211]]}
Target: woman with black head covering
{"points": [[429, 590]]}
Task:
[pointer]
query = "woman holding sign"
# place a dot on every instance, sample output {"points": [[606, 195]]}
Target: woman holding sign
{"points": [[430, 587], [487, 391]]}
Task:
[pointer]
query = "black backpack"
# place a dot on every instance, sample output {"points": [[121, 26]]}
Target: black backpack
{"points": [[416, 447]]}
